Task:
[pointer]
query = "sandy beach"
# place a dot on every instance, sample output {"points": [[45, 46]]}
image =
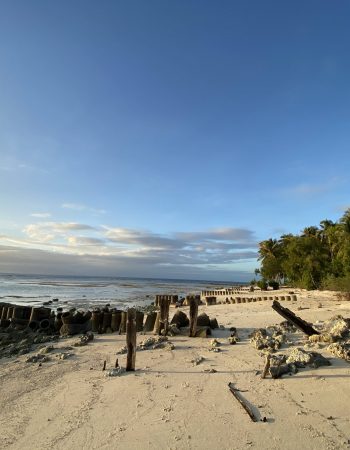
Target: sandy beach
{"points": [[175, 400]]}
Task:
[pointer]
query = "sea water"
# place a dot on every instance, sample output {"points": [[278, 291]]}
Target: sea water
{"points": [[87, 292]]}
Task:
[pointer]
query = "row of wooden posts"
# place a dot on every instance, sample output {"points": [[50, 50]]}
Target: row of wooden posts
{"points": [[212, 300], [161, 326]]}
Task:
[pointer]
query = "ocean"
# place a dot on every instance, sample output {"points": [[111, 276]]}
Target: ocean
{"points": [[87, 292]]}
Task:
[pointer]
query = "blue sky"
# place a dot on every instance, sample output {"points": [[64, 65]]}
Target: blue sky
{"points": [[163, 138]]}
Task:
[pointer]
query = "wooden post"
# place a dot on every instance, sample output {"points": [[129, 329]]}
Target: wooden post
{"points": [[131, 339], [122, 327], [156, 329], [267, 366], [164, 304], [193, 316]]}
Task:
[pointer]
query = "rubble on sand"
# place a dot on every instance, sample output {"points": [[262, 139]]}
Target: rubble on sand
{"points": [[151, 343]]}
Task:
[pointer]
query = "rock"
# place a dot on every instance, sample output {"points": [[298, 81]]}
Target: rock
{"points": [[203, 320], [279, 370], [203, 332], [46, 349], [214, 324], [173, 330], [38, 358], [180, 319], [215, 343], [115, 372], [299, 357], [197, 360], [342, 350]]}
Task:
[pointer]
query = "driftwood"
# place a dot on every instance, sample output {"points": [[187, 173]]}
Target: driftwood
{"points": [[246, 407], [293, 319], [193, 316], [131, 339]]}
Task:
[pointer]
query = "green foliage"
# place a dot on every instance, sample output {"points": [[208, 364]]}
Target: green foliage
{"points": [[274, 284], [318, 257], [262, 284], [337, 284]]}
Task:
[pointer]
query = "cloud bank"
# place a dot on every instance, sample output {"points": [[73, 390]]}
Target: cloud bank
{"points": [[81, 249]]}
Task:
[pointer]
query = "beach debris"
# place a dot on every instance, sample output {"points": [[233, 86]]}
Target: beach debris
{"points": [[174, 330], [63, 355], [232, 340], [267, 339], [210, 370], [337, 326], [151, 343], [278, 364], [104, 365], [215, 343], [197, 360], [46, 349], [38, 358], [342, 350], [115, 372], [131, 340], [299, 357], [242, 402], [299, 323], [84, 339]]}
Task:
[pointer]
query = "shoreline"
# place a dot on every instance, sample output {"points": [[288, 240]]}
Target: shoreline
{"points": [[170, 401]]}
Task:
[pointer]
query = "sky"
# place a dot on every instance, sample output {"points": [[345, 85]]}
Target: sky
{"points": [[167, 138]]}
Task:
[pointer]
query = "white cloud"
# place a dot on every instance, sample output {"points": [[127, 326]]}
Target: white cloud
{"points": [[312, 189], [81, 207], [222, 247], [41, 215]]}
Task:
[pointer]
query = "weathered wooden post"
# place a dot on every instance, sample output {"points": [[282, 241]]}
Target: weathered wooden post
{"points": [[122, 327], [193, 315], [131, 340], [164, 304]]}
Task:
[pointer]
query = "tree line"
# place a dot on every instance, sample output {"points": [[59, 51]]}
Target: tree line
{"points": [[317, 258]]}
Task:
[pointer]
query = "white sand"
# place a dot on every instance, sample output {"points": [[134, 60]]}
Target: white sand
{"points": [[170, 403]]}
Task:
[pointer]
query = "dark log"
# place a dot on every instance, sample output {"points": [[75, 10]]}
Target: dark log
{"points": [[245, 405], [193, 316], [131, 339], [293, 319]]}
